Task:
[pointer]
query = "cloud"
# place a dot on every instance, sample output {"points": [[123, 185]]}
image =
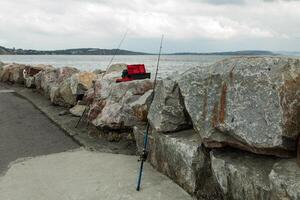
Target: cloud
{"points": [[101, 23], [222, 2]]}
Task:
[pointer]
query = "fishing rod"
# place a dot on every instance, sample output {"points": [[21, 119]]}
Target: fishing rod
{"points": [[144, 154], [86, 110], [116, 50]]}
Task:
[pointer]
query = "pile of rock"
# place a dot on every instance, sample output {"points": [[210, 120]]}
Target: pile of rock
{"points": [[247, 104], [118, 106], [61, 85], [113, 106]]}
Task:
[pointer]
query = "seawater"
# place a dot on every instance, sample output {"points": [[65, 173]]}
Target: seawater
{"points": [[168, 63]]}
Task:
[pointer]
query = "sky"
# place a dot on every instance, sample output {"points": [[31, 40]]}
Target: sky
{"points": [[188, 25]]}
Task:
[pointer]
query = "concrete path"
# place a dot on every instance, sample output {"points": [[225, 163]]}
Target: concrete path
{"points": [[26, 132], [58, 169], [67, 122], [84, 175]]}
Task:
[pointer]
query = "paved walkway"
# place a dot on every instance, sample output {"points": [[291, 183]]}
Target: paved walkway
{"points": [[59, 169], [84, 175], [26, 132]]}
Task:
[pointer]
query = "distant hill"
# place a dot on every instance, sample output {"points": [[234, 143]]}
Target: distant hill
{"points": [[96, 51], [233, 53], [81, 51], [289, 53]]}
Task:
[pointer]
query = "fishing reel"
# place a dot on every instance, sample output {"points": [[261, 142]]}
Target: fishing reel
{"points": [[143, 156]]}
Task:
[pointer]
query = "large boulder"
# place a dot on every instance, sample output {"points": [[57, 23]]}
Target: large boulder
{"points": [[285, 180], [62, 94], [81, 82], [111, 104], [31, 71], [12, 73], [47, 79], [242, 175], [180, 156], [53, 77], [66, 93], [102, 81], [251, 103], [167, 112], [66, 72]]}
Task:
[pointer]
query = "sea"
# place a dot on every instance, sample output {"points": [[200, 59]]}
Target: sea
{"points": [[168, 63]]}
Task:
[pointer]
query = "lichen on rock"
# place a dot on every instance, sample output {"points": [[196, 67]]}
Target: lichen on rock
{"points": [[250, 103]]}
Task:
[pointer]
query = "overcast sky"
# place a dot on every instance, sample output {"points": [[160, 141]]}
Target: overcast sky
{"points": [[188, 25]]}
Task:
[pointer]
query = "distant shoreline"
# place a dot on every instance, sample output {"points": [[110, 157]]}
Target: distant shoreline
{"points": [[97, 51]]}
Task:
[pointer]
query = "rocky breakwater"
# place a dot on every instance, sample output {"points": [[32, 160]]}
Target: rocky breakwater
{"points": [[245, 108], [61, 85], [112, 106]]}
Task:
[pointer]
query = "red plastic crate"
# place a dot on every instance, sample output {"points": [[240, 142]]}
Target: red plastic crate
{"points": [[136, 69]]}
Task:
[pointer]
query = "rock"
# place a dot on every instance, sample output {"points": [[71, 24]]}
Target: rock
{"points": [[119, 67], [250, 103], [64, 112], [167, 112], [38, 80], [47, 78], [81, 82], [12, 73], [78, 110], [242, 175], [37, 72], [141, 106], [53, 77], [285, 180], [30, 71], [62, 94], [42, 66], [111, 107], [54, 96], [30, 82], [98, 71], [102, 81], [65, 92], [66, 72], [180, 156]]}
